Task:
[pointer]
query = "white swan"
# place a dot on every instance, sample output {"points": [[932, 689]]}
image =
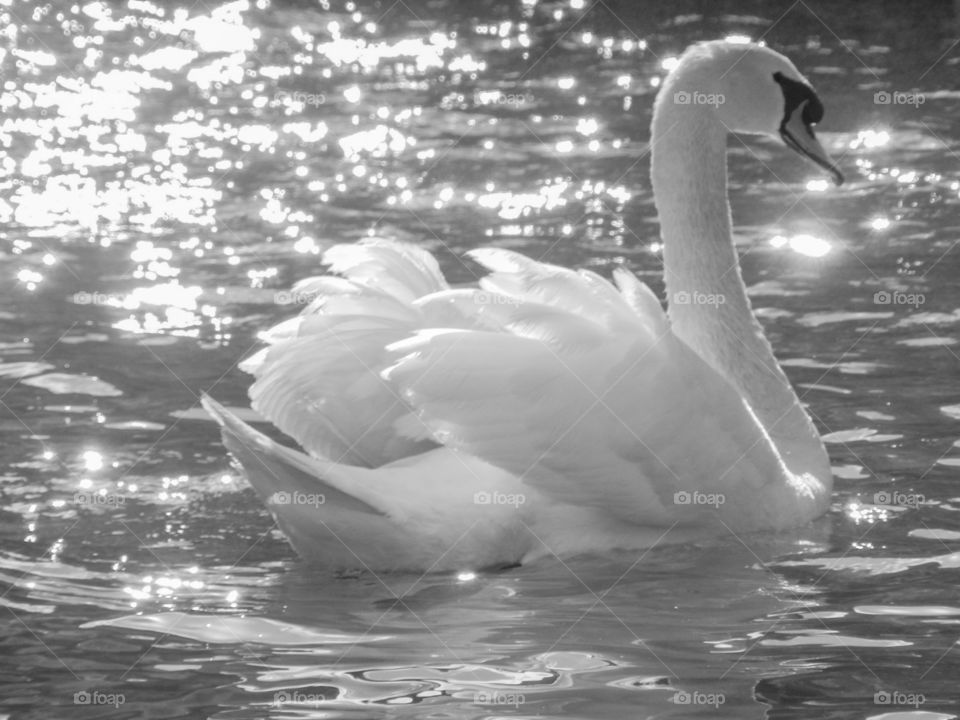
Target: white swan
{"points": [[548, 412]]}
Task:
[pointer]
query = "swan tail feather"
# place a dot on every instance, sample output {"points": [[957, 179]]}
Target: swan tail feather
{"points": [[275, 469], [402, 270], [314, 501]]}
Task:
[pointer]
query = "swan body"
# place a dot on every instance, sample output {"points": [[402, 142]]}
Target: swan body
{"points": [[548, 412]]}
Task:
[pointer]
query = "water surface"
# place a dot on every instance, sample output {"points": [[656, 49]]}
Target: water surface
{"points": [[169, 170]]}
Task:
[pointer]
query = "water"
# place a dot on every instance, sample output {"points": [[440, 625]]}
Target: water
{"points": [[168, 172]]}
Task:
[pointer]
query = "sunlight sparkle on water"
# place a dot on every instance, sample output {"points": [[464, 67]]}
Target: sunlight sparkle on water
{"points": [[587, 126], [170, 59], [223, 31], [171, 293], [92, 460], [30, 278], [179, 305], [870, 139], [861, 513], [378, 142], [306, 244], [803, 244], [511, 206]]}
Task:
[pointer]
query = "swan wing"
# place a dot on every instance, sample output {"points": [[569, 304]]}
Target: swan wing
{"points": [[319, 379], [586, 394], [573, 384]]}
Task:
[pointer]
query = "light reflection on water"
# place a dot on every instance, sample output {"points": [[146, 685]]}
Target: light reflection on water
{"points": [[170, 172]]}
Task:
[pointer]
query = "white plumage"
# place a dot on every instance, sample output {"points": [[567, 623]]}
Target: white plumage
{"points": [[548, 411]]}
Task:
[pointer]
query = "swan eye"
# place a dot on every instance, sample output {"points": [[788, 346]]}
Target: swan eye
{"points": [[797, 94]]}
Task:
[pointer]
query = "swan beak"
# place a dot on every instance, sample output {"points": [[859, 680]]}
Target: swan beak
{"points": [[799, 136]]}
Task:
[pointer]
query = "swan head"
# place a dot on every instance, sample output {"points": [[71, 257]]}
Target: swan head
{"points": [[753, 89]]}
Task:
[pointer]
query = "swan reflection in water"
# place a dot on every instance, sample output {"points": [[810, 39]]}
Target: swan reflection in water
{"points": [[403, 639]]}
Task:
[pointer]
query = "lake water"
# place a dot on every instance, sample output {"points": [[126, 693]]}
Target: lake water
{"points": [[169, 170]]}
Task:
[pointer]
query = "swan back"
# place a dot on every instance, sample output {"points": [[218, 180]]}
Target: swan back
{"points": [[575, 386]]}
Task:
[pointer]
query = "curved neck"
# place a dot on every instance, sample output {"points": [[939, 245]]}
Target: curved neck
{"points": [[707, 300]]}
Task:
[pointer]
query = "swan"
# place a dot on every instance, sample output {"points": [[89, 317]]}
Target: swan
{"points": [[549, 411]]}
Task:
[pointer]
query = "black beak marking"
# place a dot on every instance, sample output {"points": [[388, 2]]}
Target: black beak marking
{"points": [[800, 96]]}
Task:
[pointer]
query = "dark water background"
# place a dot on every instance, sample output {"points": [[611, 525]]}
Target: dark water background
{"points": [[168, 170]]}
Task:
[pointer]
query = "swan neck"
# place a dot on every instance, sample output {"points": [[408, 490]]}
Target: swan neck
{"points": [[707, 300]]}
